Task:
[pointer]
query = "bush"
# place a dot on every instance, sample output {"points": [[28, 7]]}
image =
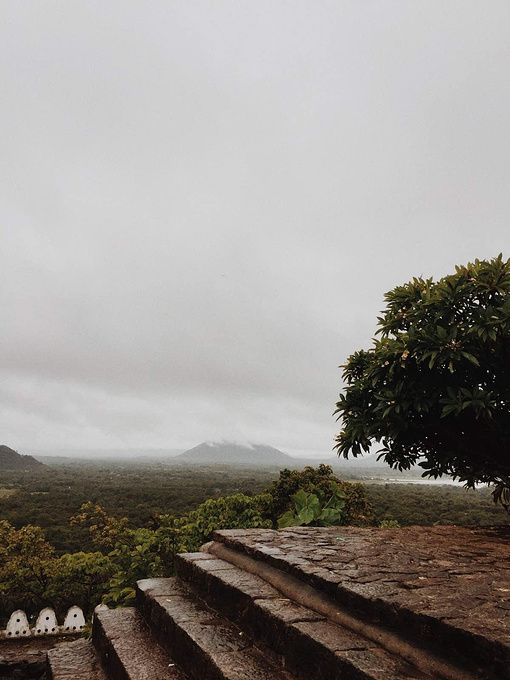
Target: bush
{"points": [[357, 509]]}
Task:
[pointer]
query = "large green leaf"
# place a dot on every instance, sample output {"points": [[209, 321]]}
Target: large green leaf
{"points": [[289, 519], [330, 517], [300, 500], [306, 516]]}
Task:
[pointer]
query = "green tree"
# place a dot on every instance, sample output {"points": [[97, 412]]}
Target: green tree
{"points": [[230, 512], [434, 389], [104, 530], [80, 578], [27, 565], [140, 557], [31, 576], [145, 553]]}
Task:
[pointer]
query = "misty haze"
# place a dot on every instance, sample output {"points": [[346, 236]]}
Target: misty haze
{"points": [[255, 346], [203, 206]]}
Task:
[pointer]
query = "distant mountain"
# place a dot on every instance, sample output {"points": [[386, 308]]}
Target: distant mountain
{"points": [[12, 460], [230, 452]]}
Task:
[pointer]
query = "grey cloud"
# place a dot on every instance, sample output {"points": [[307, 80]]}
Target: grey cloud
{"points": [[202, 204]]}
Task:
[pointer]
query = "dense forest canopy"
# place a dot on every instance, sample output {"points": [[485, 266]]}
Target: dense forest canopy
{"points": [[50, 496], [114, 554], [84, 533]]}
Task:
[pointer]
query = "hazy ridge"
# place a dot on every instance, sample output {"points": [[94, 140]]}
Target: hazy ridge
{"points": [[12, 460]]}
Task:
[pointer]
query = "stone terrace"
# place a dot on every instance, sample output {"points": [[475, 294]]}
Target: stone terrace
{"points": [[443, 580], [317, 604]]}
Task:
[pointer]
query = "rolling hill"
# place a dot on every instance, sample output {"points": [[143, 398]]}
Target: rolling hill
{"points": [[12, 460]]}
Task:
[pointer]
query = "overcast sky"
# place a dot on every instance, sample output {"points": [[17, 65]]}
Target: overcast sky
{"points": [[202, 204]]}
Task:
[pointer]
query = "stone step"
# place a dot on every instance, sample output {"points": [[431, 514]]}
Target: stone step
{"points": [[436, 588], [205, 645], [127, 650], [307, 643], [74, 661]]}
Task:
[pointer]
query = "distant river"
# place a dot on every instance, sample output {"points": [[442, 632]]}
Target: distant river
{"points": [[425, 482]]}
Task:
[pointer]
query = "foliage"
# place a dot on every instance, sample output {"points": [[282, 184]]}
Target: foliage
{"points": [[356, 510], [27, 562], [144, 553], [31, 576], [501, 494], [133, 490], [389, 524], [231, 512], [315, 508], [104, 530], [79, 578], [137, 559], [117, 551], [434, 389], [428, 505]]}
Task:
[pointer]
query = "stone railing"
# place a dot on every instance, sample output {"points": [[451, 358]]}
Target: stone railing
{"points": [[46, 624]]}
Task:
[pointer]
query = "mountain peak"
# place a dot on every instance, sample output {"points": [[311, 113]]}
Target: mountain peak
{"points": [[12, 460], [235, 453]]}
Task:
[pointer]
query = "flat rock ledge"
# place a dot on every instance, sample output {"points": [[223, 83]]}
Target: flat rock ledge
{"points": [[313, 604], [26, 658], [450, 585]]}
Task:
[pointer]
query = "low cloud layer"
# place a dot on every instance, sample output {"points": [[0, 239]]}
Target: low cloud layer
{"points": [[202, 205]]}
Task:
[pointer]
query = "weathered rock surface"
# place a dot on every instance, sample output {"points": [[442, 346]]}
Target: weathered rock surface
{"points": [[301, 640], [446, 586], [203, 643], [25, 657], [74, 661], [127, 650], [314, 604]]}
